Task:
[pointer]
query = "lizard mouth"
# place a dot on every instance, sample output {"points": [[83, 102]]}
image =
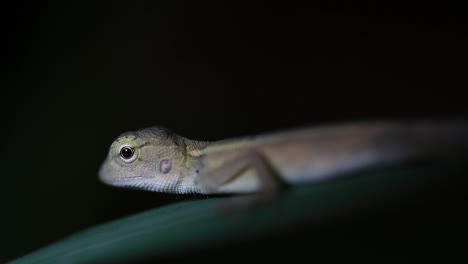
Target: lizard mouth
{"points": [[130, 178]]}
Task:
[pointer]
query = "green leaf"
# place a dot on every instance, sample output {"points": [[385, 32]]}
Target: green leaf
{"points": [[200, 225]]}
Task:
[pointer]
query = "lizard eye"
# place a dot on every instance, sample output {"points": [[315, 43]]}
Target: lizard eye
{"points": [[127, 154]]}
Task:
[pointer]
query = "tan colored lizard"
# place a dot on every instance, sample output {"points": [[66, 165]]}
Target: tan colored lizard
{"points": [[156, 159]]}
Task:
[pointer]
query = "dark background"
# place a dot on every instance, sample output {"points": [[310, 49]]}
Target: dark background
{"points": [[76, 75]]}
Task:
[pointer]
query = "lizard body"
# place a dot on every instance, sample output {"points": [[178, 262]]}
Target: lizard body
{"points": [[159, 160]]}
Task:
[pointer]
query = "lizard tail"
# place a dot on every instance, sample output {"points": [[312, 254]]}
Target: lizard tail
{"points": [[424, 140]]}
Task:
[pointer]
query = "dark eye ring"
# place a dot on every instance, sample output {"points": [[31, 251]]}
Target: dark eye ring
{"points": [[127, 153]]}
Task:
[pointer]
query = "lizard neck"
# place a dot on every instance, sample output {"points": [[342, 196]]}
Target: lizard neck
{"points": [[195, 148], [191, 165]]}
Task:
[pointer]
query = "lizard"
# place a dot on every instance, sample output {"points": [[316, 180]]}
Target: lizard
{"points": [[159, 160]]}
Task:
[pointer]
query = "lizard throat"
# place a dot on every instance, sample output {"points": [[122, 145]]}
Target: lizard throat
{"points": [[139, 182]]}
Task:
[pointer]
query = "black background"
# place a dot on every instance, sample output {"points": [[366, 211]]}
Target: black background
{"points": [[78, 74]]}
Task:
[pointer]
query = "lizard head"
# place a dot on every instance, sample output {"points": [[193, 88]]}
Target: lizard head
{"points": [[153, 159]]}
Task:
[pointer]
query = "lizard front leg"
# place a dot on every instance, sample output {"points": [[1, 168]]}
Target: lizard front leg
{"points": [[211, 181]]}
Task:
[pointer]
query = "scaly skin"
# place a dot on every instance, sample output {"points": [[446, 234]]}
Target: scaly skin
{"points": [[161, 161]]}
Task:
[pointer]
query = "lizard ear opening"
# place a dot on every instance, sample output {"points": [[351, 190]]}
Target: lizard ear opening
{"points": [[165, 166]]}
